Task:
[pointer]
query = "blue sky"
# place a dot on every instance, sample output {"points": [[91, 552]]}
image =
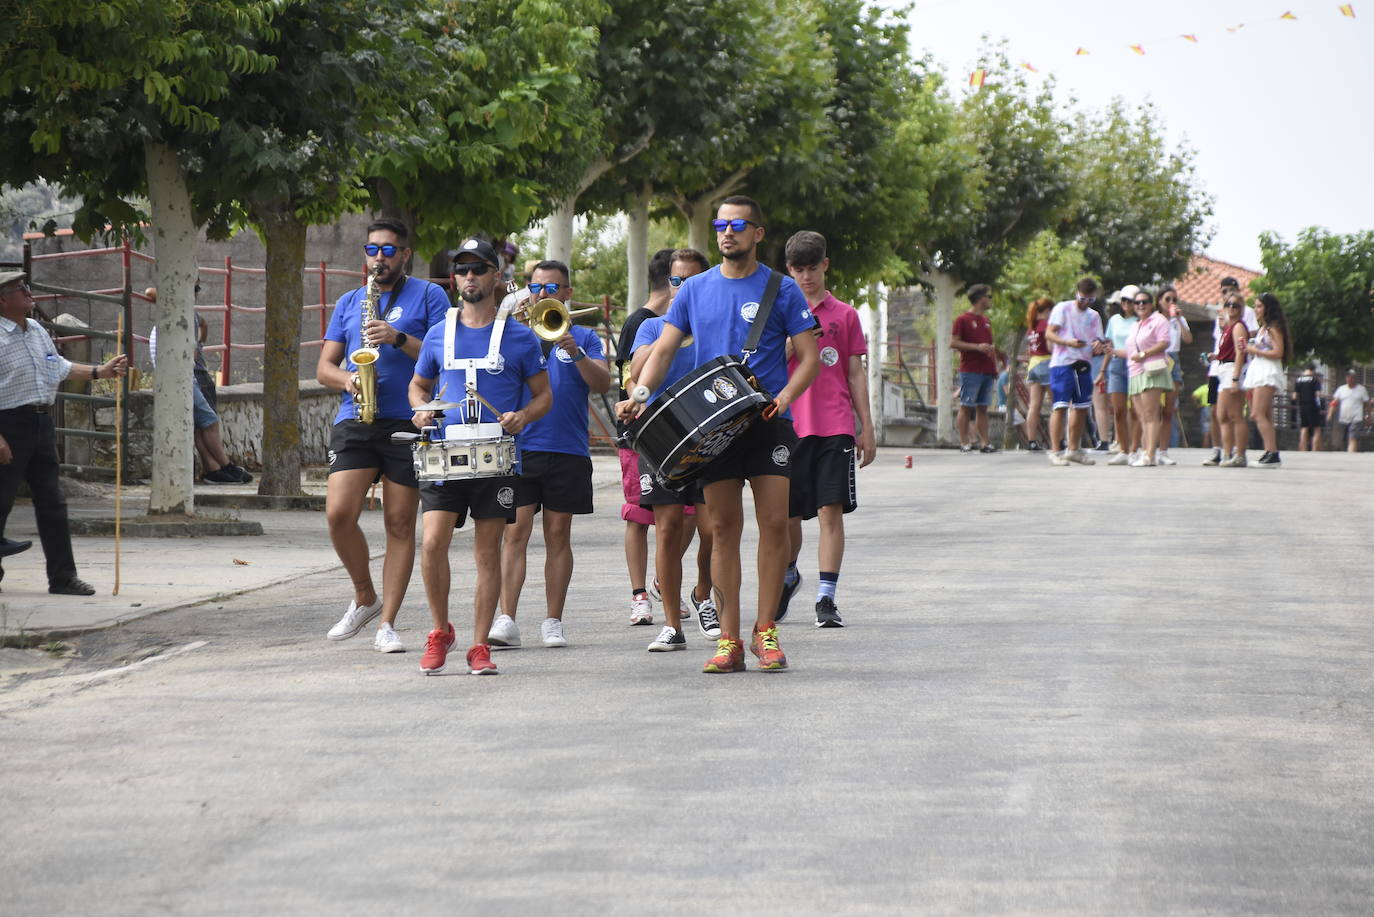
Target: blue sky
{"points": [[1278, 111]]}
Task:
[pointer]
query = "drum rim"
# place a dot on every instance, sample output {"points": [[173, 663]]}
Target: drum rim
{"points": [[675, 391]]}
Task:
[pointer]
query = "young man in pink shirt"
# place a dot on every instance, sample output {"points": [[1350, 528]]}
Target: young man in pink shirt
{"points": [[823, 463]]}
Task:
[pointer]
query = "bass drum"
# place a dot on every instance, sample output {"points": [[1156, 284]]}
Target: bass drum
{"points": [[696, 419]]}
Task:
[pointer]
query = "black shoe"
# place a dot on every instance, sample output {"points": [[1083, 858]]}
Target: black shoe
{"points": [[243, 476], [72, 586], [787, 593], [1270, 460], [989, 449], [8, 547], [1102, 446], [1034, 447], [220, 476], [827, 615]]}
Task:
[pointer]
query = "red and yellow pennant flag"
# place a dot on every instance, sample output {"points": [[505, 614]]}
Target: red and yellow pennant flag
{"points": [[1190, 37], [1289, 16], [1028, 66], [1236, 28], [1347, 9], [977, 78], [1082, 51], [1138, 49]]}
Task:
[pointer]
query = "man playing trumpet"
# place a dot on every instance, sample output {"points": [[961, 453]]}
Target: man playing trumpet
{"points": [[555, 461], [360, 453]]}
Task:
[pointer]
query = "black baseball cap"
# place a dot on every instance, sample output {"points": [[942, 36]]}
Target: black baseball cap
{"points": [[481, 249]]}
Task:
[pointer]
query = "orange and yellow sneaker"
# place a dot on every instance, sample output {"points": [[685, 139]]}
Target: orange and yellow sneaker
{"points": [[729, 656], [765, 646]]}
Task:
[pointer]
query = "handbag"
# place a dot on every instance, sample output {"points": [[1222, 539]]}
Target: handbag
{"points": [[1157, 364]]}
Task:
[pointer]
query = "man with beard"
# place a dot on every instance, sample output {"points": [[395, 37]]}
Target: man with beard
{"points": [[361, 454], [476, 350], [717, 308]]}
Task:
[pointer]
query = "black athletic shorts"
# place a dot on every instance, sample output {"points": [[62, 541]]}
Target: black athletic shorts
{"points": [[353, 444], [652, 493], [1309, 416], [765, 448], [482, 498], [555, 480], [823, 475], [1213, 383]]}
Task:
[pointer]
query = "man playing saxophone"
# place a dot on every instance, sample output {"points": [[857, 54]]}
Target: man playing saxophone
{"points": [[360, 453]]}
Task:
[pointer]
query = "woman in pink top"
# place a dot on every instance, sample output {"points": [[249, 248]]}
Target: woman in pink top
{"points": [[1149, 372]]}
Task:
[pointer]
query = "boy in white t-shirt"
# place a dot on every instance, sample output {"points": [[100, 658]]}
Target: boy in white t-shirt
{"points": [[1075, 333]]}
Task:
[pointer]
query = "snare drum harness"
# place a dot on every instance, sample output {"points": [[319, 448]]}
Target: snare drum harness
{"points": [[472, 410]]}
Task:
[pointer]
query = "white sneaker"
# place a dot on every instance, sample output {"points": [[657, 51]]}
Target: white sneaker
{"points": [[1058, 458], [552, 632], [1142, 462], [387, 641], [355, 619], [504, 633], [654, 592], [1121, 458], [1162, 458], [1078, 456], [668, 640], [641, 612]]}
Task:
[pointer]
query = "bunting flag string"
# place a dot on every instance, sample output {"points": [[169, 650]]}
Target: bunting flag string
{"points": [[979, 77]]}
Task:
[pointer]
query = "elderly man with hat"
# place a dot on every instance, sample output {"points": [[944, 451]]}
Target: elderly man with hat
{"points": [[30, 371]]}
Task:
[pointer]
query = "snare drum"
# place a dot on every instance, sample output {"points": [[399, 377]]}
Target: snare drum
{"points": [[467, 451], [695, 419]]}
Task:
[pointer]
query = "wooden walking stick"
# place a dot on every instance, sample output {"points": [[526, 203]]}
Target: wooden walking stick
{"points": [[119, 455]]}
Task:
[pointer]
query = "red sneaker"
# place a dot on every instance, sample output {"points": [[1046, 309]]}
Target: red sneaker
{"points": [[479, 660], [729, 656], [765, 646], [436, 651]]}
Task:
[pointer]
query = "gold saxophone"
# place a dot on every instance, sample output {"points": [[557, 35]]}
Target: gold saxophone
{"points": [[365, 357]]}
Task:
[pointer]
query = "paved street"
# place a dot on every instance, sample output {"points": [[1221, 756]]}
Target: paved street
{"points": [[1063, 690]]}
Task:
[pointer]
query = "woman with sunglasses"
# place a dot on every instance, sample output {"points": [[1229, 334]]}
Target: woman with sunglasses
{"points": [[1230, 423], [1150, 374], [1273, 347], [1179, 334], [1037, 367]]}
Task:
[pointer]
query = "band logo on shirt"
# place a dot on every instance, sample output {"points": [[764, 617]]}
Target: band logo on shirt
{"points": [[498, 365], [830, 356], [394, 314], [748, 311]]}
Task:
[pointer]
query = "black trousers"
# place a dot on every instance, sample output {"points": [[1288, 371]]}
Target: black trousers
{"points": [[34, 445]]}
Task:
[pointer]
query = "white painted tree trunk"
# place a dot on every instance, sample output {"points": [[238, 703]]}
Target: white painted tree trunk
{"points": [[174, 243], [877, 351], [559, 244], [637, 253], [946, 288]]}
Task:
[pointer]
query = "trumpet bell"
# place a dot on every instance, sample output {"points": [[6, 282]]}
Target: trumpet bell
{"points": [[549, 318]]}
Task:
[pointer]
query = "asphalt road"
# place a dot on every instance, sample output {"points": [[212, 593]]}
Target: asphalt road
{"points": [[1062, 690]]}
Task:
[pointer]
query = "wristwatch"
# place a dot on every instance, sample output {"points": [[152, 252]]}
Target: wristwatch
{"points": [[581, 355], [401, 338]]}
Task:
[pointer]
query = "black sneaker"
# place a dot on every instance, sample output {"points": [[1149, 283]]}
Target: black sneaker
{"points": [[1101, 446], [1214, 459], [708, 618], [1034, 446], [787, 593], [71, 586], [220, 476], [827, 615], [8, 547], [1270, 460], [243, 476], [989, 449]]}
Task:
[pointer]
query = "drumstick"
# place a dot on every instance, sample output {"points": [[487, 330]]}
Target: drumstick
{"points": [[119, 454], [639, 394], [472, 390]]}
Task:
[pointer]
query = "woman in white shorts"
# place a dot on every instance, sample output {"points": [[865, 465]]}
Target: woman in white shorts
{"points": [[1231, 354], [1264, 373]]}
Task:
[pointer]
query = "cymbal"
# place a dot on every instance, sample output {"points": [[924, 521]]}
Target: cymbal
{"points": [[438, 406]]}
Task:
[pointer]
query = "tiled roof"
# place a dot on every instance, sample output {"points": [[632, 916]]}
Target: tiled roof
{"points": [[1201, 285]]}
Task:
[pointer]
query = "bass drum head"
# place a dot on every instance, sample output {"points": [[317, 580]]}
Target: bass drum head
{"points": [[696, 419]]}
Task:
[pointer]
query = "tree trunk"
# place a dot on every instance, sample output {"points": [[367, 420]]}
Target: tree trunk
{"points": [[946, 288], [174, 241], [284, 237], [558, 246], [699, 210], [1008, 431], [637, 253], [877, 345]]}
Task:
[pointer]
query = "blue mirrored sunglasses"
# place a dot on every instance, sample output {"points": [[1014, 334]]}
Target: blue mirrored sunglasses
{"points": [[549, 288], [737, 225], [676, 281], [386, 250]]}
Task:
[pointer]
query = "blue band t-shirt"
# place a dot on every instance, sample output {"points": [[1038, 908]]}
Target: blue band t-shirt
{"points": [[684, 361], [520, 358], [564, 428]]}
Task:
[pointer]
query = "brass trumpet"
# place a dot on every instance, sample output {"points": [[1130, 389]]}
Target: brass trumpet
{"points": [[550, 318]]}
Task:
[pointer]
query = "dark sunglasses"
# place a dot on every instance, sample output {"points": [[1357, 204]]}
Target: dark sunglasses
{"points": [[737, 225], [535, 288], [676, 281], [1087, 299], [462, 270], [1235, 305], [1142, 302], [386, 250]]}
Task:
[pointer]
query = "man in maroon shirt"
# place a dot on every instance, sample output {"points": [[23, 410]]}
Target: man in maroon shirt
{"points": [[977, 367]]}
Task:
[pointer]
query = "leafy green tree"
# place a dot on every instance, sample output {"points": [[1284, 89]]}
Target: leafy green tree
{"points": [[1136, 208], [1325, 282], [101, 97], [1001, 180]]}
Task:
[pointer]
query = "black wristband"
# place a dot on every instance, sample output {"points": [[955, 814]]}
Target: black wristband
{"points": [[401, 338]]}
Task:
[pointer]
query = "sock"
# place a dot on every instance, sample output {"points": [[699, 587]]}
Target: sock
{"points": [[827, 588], [791, 577], [641, 591]]}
